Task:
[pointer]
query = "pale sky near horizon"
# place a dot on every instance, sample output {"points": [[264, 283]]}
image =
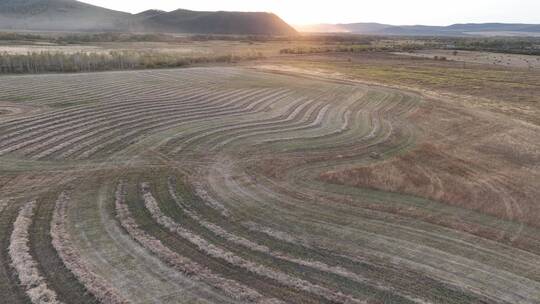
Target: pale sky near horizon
{"points": [[396, 12]]}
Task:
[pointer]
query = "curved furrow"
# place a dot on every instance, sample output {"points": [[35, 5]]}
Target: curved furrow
{"points": [[61, 240], [364, 128], [100, 112], [293, 190], [297, 108], [22, 261], [60, 118], [308, 260], [175, 144], [124, 119], [299, 187], [314, 121], [297, 119], [141, 94], [83, 90], [11, 290], [344, 117], [126, 266], [229, 287], [183, 247], [371, 267], [233, 259], [107, 85], [200, 136], [471, 238], [420, 255], [250, 106], [501, 225], [278, 192], [143, 120], [198, 132], [372, 140], [195, 114], [89, 122]]}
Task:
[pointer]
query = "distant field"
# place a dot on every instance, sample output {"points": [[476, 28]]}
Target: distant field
{"points": [[499, 59], [505, 34], [213, 47], [238, 185], [511, 91]]}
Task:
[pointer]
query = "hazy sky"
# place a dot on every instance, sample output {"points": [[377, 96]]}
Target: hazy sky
{"points": [[400, 12]]}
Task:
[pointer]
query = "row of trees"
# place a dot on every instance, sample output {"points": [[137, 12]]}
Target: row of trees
{"points": [[510, 45], [56, 62], [351, 49]]}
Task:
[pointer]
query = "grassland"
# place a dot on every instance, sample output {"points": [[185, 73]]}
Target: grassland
{"points": [[508, 90], [318, 178]]}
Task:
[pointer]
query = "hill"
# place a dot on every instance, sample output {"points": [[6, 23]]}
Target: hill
{"points": [[59, 15], [186, 21], [148, 14], [71, 15]]}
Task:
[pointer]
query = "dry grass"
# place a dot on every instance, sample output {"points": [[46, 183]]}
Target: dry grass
{"points": [[301, 185], [3, 205], [61, 240], [474, 57], [24, 264], [431, 173], [504, 90], [217, 252], [183, 264]]}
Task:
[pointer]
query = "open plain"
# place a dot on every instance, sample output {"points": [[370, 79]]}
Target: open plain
{"points": [[275, 184]]}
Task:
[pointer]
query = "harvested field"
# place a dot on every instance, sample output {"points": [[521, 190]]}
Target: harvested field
{"points": [[241, 185], [24, 264], [498, 59], [10, 110]]}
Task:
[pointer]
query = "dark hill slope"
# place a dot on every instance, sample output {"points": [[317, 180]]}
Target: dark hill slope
{"points": [[59, 15], [185, 21], [148, 14], [71, 15]]}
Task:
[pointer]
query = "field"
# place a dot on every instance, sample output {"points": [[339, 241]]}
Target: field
{"points": [[191, 48], [321, 178], [508, 60]]}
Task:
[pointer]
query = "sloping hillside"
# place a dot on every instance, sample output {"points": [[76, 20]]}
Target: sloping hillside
{"points": [[185, 21], [59, 15], [148, 14], [71, 15]]}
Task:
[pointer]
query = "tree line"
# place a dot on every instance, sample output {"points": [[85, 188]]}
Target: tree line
{"points": [[58, 62], [350, 49]]}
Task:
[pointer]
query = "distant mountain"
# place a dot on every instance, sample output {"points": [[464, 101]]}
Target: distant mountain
{"points": [[149, 14], [59, 15], [365, 27], [477, 29], [72, 15], [185, 21], [343, 28]]}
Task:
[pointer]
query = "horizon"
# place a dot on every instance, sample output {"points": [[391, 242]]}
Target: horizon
{"points": [[416, 12]]}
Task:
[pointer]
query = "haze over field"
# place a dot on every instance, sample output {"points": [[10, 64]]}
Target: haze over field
{"points": [[71, 15], [396, 12], [264, 18]]}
